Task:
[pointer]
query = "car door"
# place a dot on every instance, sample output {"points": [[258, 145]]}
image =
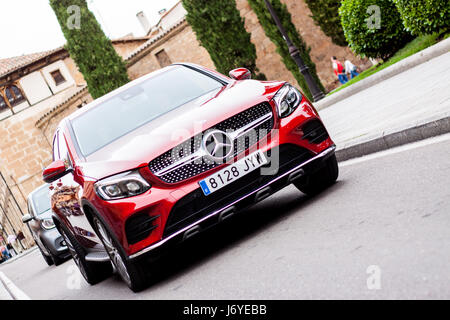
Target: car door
{"points": [[66, 194], [34, 224]]}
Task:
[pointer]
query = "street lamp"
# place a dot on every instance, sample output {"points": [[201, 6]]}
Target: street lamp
{"points": [[295, 54]]}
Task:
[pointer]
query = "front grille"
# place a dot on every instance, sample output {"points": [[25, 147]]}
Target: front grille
{"points": [[139, 226], [196, 205], [315, 132], [189, 147]]}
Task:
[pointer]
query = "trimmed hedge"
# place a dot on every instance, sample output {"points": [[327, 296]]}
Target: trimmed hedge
{"points": [[371, 35], [271, 30], [326, 15], [101, 66], [424, 16], [220, 30]]}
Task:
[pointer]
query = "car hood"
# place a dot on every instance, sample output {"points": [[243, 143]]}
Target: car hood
{"points": [[140, 146], [45, 215]]}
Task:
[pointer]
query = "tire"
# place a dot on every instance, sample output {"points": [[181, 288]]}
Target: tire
{"points": [[55, 259], [321, 179], [134, 274], [47, 259], [93, 272]]}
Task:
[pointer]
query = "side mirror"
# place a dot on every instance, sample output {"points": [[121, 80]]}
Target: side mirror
{"points": [[54, 171], [240, 74], [27, 218]]}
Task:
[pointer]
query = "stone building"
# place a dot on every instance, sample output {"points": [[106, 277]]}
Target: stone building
{"points": [[38, 90]]}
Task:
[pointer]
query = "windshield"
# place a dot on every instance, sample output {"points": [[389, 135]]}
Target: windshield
{"points": [[138, 105], [41, 201]]}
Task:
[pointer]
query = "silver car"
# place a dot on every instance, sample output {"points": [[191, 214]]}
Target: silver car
{"points": [[39, 219]]}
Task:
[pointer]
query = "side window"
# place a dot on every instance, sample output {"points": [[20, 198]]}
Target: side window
{"points": [[30, 209], [63, 151], [60, 150], [55, 147]]}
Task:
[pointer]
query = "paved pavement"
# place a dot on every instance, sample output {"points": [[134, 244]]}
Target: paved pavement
{"points": [[414, 97], [387, 216]]}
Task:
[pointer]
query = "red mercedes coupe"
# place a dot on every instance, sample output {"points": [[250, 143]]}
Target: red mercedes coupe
{"points": [[173, 153]]}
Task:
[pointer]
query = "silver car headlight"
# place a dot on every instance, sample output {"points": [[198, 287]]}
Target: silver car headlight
{"points": [[121, 186], [287, 99], [47, 224]]}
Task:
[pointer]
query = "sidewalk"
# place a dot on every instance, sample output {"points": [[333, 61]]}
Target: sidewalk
{"points": [[423, 56], [20, 255], [407, 107]]}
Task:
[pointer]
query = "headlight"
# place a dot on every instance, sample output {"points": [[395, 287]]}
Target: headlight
{"points": [[120, 186], [47, 224], [287, 100]]}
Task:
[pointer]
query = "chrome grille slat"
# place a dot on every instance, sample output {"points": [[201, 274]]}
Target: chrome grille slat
{"points": [[189, 159]]}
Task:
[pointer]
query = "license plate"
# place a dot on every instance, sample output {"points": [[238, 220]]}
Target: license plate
{"points": [[233, 172]]}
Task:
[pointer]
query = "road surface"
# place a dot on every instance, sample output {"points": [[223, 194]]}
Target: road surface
{"points": [[381, 232]]}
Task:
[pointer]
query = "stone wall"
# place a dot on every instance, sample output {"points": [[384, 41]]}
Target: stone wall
{"points": [[322, 48], [180, 44]]}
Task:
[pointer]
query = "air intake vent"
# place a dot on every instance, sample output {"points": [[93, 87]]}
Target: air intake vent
{"points": [[139, 226], [315, 132]]}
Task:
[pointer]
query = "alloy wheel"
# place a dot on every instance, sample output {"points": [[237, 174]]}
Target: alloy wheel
{"points": [[75, 255], [114, 254]]}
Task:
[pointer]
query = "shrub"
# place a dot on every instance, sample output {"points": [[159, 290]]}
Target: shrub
{"points": [[424, 16], [326, 15], [101, 66], [271, 30], [220, 30], [373, 28]]}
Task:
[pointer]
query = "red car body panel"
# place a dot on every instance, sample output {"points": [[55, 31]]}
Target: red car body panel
{"points": [[137, 148]]}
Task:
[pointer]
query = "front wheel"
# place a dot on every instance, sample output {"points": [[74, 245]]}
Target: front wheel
{"points": [[321, 179], [93, 272], [47, 259], [55, 259], [132, 273]]}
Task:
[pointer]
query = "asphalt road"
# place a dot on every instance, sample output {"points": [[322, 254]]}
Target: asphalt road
{"points": [[382, 232]]}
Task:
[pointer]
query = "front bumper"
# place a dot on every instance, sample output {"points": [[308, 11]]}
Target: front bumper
{"points": [[275, 183], [55, 242]]}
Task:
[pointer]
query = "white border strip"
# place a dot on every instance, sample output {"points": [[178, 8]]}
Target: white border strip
{"points": [[13, 290]]}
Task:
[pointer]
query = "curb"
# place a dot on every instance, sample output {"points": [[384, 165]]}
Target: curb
{"points": [[416, 59], [390, 140], [12, 289]]}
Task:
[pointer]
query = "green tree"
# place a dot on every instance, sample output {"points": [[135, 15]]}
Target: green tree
{"points": [[102, 68], [425, 16], [271, 30], [326, 15], [220, 30], [373, 28]]}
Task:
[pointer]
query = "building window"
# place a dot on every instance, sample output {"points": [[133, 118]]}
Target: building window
{"points": [[163, 59], [57, 77], [3, 105], [14, 95]]}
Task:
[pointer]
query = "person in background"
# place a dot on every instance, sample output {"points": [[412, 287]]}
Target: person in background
{"points": [[12, 239], [339, 70], [350, 68], [6, 255], [11, 249]]}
